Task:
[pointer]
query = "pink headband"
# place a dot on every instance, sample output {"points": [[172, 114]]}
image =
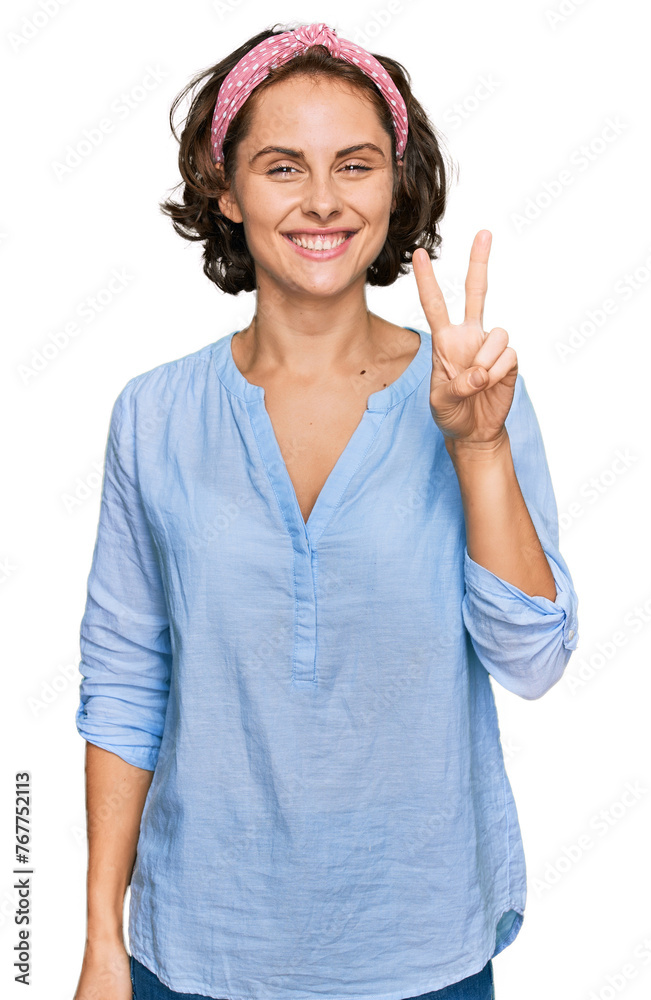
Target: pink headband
{"points": [[254, 67]]}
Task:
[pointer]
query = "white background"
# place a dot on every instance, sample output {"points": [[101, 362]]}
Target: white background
{"points": [[558, 73]]}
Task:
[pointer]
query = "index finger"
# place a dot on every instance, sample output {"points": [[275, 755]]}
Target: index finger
{"points": [[477, 277], [429, 293]]}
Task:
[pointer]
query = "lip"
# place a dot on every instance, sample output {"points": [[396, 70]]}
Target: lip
{"points": [[320, 254], [324, 233]]}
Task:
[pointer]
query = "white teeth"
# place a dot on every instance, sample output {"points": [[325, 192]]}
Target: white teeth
{"points": [[319, 244]]}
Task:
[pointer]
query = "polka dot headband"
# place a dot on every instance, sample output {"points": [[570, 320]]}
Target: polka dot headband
{"points": [[254, 67]]}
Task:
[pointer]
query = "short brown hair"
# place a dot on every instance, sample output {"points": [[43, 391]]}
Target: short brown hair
{"points": [[420, 192]]}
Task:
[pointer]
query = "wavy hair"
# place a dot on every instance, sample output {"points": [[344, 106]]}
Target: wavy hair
{"points": [[420, 192]]}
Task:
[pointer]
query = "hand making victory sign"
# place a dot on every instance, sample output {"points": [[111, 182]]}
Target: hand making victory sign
{"points": [[464, 413]]}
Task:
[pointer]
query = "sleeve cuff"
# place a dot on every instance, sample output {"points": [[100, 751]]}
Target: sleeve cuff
{"points": [[98, 734], [513, 604]]}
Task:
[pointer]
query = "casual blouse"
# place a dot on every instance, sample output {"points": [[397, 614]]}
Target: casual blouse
{"points": [[329, 814]]}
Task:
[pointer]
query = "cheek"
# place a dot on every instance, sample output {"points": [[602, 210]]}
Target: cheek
{"points": [[258, 223], [265, 209], [376, 202]]}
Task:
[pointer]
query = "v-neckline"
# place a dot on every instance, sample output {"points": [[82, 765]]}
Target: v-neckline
{"points": [[377, 405]]}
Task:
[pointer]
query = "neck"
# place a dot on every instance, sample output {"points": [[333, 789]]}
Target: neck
{"points": [[309, 335]]}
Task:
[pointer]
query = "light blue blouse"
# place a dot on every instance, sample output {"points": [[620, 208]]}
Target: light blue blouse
{"points": [[329, 814]]}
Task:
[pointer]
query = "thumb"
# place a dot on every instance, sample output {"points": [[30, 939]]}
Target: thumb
{"points": [[468, 383]]}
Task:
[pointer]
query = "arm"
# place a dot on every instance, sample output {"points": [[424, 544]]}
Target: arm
{"points": [[500, 534], [126, 667], [115, 797], [125, 636], [520, 607]]}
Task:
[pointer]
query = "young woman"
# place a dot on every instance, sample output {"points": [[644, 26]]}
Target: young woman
{"points": [[318, 538]]}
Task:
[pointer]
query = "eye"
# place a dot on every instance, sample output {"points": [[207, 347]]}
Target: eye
{"points": [[348, 168]]}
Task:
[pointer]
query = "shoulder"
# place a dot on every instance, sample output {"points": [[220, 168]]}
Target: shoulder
{"points": [[176, 380], [171, 372]]}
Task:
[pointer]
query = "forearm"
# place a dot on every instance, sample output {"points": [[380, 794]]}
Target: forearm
{"points": [[115, 797], [500, 534]]}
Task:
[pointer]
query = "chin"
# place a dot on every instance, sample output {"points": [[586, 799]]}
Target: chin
{"points": [[322, 289]]}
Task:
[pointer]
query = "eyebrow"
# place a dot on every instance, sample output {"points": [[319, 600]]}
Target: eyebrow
{"points": [[298, 154]]}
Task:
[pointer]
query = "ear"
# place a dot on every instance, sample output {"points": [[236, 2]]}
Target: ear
{"points": [[228, 205]]}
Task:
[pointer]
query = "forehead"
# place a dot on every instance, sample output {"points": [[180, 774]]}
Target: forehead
{"points": [[314, 107]]}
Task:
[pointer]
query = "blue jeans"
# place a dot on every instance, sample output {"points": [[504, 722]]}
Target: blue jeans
{"points": [[147, 986]]}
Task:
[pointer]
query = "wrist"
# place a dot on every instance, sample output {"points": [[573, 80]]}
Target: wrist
{"points": [[104, 939], [463, 450], [104, 924]]}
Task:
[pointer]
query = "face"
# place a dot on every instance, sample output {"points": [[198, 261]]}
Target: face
{"points": [[312, 181]]}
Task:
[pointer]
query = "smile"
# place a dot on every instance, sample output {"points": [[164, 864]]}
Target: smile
{"points": [[319, 247]]}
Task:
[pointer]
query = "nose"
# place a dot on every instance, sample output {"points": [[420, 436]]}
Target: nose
{"points": [[321, 198]]}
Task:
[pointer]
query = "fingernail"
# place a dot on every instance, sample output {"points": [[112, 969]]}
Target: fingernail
{"points": [[477, 378]]}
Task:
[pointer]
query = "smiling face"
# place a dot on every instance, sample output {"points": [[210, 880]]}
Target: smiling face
{"points": [[316, 163]]}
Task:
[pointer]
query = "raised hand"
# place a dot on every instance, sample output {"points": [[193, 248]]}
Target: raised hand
{"points": [[465, 413]]}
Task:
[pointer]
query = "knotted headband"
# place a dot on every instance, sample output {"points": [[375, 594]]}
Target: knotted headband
{"points": [[254, 67]]}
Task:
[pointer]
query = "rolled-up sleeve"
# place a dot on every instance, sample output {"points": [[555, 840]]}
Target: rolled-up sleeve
{"points": [[524, 642], [124, 636]]}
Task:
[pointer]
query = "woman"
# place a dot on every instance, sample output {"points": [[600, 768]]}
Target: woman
{"points": [[318, 538]]}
